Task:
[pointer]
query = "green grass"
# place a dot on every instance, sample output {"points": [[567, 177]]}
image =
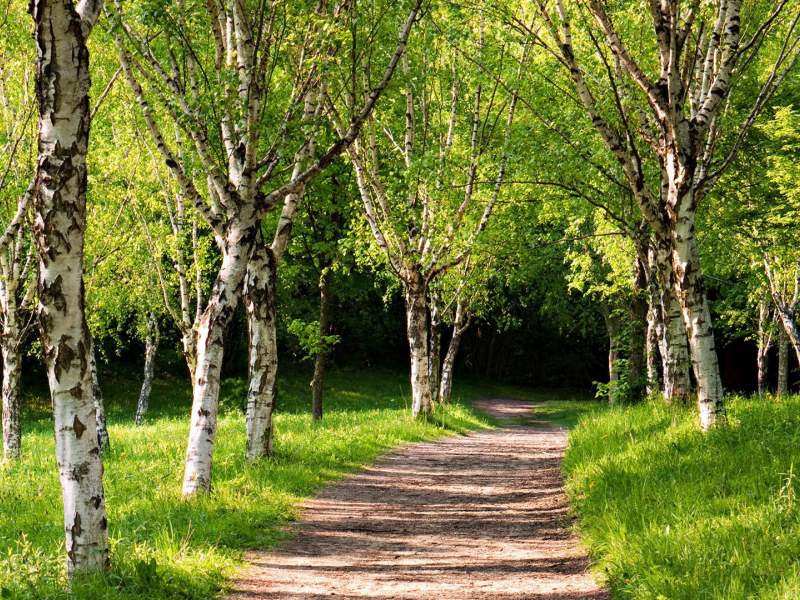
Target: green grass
{"points": [[164, 548], [669, 513]]}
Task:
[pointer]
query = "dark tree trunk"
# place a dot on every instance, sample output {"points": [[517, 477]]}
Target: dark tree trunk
{"points": [[324, 329]]}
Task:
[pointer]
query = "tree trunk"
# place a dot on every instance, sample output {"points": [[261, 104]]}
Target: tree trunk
{"points": [[694, 305], [259, 297], [435, 354], [613, 327], [12, 374], [637, 313], [460, 324], [764, 345], [673, 344], [62, 91], [653, 382], [324, 329], [99, 406], [417, 330], [219, 311], [150, 348], [790, 329], [783, 363]]}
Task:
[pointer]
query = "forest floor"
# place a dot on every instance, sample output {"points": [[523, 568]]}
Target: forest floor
{"points": [[482, 515]]}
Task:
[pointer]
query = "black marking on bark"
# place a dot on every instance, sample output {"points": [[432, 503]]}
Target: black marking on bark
{"points": [[78, 427]]}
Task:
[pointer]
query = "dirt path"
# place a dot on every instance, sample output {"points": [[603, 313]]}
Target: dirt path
{"points": [[476, 516]]}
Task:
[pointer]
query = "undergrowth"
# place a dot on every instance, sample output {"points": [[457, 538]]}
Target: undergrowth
{"points": [[670, 513], [164, 548]]}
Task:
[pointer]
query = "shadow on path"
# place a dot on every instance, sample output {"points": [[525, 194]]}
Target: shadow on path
{"points": [[475, 516]]}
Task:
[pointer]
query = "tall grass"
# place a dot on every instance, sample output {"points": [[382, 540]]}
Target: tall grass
{"points": [[164, 548], [670, 513]]}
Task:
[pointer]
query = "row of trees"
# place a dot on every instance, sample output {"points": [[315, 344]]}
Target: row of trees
{"points": [[212, 121]]}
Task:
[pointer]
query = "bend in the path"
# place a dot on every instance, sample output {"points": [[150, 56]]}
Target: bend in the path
{"points": [[476, 516]]}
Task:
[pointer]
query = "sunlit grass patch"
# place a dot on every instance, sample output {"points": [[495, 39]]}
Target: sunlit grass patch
{"points": [[670, 513], [162, 547]]}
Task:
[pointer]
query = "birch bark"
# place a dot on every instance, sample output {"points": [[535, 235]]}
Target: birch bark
{"points": [[435, 341], [460, 325], [259, 297], [62, 90], [417, 331], [99, 405], [697, 61], [12, 373], [246, 41], [151, 347]]}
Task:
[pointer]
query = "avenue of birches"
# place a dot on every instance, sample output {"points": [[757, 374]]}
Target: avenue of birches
{"points": [[175, 170]]}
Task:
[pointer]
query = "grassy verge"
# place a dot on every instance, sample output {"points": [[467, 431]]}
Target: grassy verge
{"points": [[164, 548], [670, 513]]}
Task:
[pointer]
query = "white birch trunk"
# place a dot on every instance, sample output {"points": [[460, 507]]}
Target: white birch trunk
{"points": [[12, 374], [460, 325], [62, 87], [673, 344], [652, 353], [790, 327], [150, 349], [210, 349], [99, 406], [435, 354], [259, 298], [417, 330], [696, 315]]}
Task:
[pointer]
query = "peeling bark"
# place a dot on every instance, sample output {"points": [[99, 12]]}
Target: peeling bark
{"points": [[324, 329], [12, 372], [150, 349], [99, 406], [259, 298], [672, 343], [62, 92], [652, 353], [691, 293], [222, 302], [417, 331]]}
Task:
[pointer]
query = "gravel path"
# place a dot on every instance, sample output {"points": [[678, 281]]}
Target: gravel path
{"points": [[475, 516]]}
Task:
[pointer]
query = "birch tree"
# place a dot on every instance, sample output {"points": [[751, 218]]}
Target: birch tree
{"points": [[17, 259], [62, 91], [246, 172], [667, 101], [421, 183]]}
